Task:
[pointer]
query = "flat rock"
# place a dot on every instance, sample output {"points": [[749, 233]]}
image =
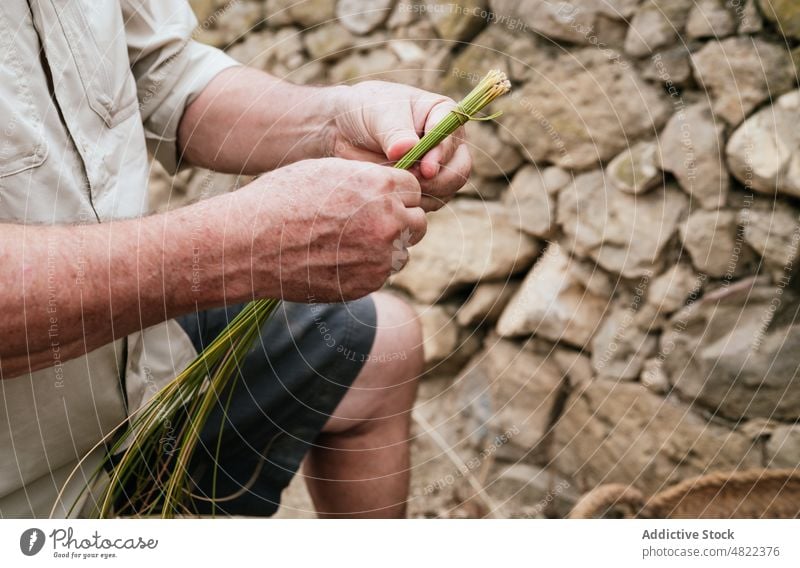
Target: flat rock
{"points": [[467, 241], [715, 244], [783, 447], [328, 41], [491, 157], [552, 303], [710, 18], [624, 233], [457, 22], [582, 108], [379, 63], [510, 387], [363, 16], [620, 348], [514, 52], [531, 199], [656, 24], [580, 24], [762, 70], [486, 303], [669, 291], [750, 21], [614, 432], [772, 229], [692, 148], [672, 67], [764, 152], [736, 352], [445, 345]]}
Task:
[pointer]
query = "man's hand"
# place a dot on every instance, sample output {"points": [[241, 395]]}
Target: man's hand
{"points": [[248, 122], [378, 121], [337, 228]]}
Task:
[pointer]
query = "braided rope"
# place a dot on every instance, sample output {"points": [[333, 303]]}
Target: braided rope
{"points": [[753, 493]]}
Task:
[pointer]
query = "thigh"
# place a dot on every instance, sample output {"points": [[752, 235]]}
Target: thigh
{"points": [[289, 384]]}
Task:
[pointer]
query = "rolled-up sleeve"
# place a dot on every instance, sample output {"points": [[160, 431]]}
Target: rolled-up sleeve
{"points": [[170, 68]]}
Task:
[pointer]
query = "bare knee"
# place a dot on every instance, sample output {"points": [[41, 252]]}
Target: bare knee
{"points": [[386, 385], [398, 338]]}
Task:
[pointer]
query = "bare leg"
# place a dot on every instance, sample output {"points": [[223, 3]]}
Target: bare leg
{"points": [[360, 464]]}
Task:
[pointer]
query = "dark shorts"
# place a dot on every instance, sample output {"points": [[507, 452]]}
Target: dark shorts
{"points": [[292, 380]]}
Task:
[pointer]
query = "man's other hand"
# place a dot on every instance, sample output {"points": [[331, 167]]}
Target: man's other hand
{"points": [[378, 122]]}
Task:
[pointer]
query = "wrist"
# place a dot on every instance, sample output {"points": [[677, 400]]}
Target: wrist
{"points": [[339, 98]]}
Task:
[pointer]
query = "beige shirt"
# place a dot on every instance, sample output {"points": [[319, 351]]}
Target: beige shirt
{"points": [[86, 88]]}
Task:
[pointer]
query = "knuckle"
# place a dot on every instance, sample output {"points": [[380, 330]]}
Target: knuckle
{"points": [[407, 181]]}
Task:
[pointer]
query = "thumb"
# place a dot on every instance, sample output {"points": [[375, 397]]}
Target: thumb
{"points": [[397, 143]]}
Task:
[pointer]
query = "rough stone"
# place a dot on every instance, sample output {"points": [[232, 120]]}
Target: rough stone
{"points": [[204, 9], [692, 149], [277, 13], [620, 348], [510, 387], [762, 70], [736, 351], [531, 199], [671, 67], [229, 23], [309, 13], [445, 345], [656, 25], [563, 21], [363, 16], [710, 18], [593, 277], [328, 41], [764, 152], [487, 189], [575, 365], [486, 303], [439, 334], [582, 109], [491, 157], [623, 233], [749, 17], [623, 433], [669, 291], [254, 50], [716, 244], [514, 53], [552, 303], [375, 64], [466, 242], [408, 51], [527, 491], [654, 378], [785, 14], [772, 229], [457, 22], [635, 170], [404, 14], [783, 447]]}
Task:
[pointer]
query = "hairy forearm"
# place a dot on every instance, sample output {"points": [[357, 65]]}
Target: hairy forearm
{"points": [[82, 286], [246, 121]]}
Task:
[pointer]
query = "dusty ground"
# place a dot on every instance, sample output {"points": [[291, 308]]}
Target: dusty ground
{"points": [[448, 480]]}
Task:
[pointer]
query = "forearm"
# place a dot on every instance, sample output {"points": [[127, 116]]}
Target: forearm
{"points": [[246, 121], [76, 288]]}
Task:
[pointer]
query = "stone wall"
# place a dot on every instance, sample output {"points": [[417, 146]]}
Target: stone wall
{"points": [[610, 299]]}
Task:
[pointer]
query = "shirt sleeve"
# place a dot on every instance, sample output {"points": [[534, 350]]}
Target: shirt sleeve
{"points": [[170, 68]]}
